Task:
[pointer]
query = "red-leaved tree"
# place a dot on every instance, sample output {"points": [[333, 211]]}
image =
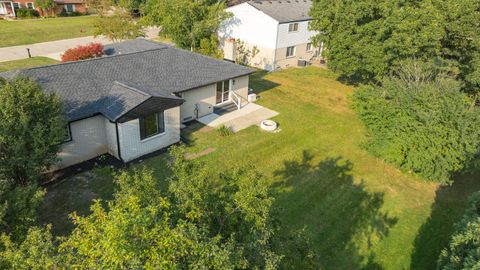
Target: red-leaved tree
{"points": [[82, 52]]}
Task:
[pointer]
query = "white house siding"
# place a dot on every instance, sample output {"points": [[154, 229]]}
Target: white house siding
{"points": [[241, 88], [255, 28], [131, 146], [88, 141], [204, 97], [111, 138], [302, 36]]}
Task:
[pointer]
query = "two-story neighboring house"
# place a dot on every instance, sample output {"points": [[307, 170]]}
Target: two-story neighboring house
{"points": [[8, 8], [278, 28]]}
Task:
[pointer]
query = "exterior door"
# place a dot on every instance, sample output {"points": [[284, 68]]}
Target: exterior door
{"points": [[223, 91]]}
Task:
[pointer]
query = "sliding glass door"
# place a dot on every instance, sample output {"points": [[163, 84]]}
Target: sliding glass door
{"points": [[223, 91]]}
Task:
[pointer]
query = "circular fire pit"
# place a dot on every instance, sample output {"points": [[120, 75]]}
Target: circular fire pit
{"points": [[268, 125]]}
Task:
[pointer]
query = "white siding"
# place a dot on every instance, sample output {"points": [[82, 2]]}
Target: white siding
{"points": [[250, 25], [204, 97], [241, 88], [131, 146], [255, 28], [302, 36], [88, 141], [111, 138]]}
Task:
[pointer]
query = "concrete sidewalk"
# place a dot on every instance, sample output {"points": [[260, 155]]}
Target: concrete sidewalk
{"points": [[54, 49]]}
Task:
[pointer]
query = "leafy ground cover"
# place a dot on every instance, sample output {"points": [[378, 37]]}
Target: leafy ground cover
{"points": [[360, 212]]}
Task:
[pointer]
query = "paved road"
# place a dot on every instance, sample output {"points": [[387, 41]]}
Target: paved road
{"points": [[54, 49]]}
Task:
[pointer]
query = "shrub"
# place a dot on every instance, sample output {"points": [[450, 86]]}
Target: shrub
{"points": [[224, 131], [91, 50], [463, 251], [420, 121], [26, 13]]}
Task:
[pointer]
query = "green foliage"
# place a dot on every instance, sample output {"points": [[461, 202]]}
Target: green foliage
{"points": [[32, 126], [117, 24], [210, 48], [421, 121], [187, 22], [37, 251], [243, 54], [18, 208], [26, 13], [463, 251], [45, 6], [366, 39], [224, 131]]}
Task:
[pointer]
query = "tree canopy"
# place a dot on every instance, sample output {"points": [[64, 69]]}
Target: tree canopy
{"points": [[463, 251], [221, 221], [367, 39], [420, 120], [187, 22], [32, 127]]}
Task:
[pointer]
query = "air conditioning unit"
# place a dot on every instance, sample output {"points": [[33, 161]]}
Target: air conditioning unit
{"points": [[252, 97], [302, 63]]}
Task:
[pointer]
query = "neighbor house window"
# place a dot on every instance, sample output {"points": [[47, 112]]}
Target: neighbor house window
{"points": [[69, 8], [17, 5], [291, 51], [293, 27], [30, 5], [309, 47], [151, 125]]}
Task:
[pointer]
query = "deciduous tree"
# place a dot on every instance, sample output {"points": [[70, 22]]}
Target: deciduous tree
{"points": [[187, 22], [420, 120]]}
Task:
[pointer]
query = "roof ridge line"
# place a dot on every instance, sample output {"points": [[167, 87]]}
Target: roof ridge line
{"points": [[94, 59], [132, 88]]}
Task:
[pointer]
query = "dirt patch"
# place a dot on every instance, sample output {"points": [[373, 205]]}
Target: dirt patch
{"points": [[200, 154]]}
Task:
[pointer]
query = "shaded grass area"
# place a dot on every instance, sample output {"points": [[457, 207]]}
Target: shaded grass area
{"points": [[359, 212], [31, 31], [74, 194], [26, 63]]}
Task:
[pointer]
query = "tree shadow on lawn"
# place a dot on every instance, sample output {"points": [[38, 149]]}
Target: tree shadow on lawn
{"points": [[340, 216], [448, 208]]}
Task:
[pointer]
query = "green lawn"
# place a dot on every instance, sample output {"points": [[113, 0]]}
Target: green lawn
{"points": [[360, 212], [26, 63], [41, 30]]}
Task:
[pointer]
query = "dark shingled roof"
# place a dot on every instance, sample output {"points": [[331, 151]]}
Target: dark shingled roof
{"points": [[284, 10], [140, 69]]}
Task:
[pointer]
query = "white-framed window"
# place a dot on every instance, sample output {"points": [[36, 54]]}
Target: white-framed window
{"points": [[152, 125], [30, 5], [17, 5], [309, 47], [293, 27], [69, 8], [290, 51]]}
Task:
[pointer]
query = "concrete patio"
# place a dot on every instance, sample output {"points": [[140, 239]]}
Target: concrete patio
{"points": [[251, 114]]}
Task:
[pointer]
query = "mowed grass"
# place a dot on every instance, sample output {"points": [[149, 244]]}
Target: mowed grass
{"points": [[31, 31], [359, 212], [26, 63]]}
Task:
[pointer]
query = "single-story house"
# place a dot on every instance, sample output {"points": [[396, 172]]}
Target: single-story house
{"points": [[279, 29], [132, 101]]}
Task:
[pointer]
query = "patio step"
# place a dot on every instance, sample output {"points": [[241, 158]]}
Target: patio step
{"points": [[225, 108]]}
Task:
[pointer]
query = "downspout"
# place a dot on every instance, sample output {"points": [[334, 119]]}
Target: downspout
{"points": [[275, 50], [118, 143]]}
